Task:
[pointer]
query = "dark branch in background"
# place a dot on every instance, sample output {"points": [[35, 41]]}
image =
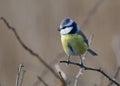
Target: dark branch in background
{"points": [[116, 75], [91, 13], [28, 49], [93, 69], [40, 79]]}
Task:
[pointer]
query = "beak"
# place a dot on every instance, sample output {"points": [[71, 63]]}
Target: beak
{"points": [[59, 29]]}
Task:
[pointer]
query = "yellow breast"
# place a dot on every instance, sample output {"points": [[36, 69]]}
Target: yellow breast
{"points": [[76, 42]]}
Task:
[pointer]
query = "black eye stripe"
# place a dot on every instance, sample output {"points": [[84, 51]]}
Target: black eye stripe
{"points": [[65, 27], [69, 25]]}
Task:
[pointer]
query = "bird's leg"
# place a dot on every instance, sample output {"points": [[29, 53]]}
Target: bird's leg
{"points": [[81, 65], [68, 60], [81, 60]]}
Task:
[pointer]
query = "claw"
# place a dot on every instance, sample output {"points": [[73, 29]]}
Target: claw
{"points": [[81, 61], [68, 61]]}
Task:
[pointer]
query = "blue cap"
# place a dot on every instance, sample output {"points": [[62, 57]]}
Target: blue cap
{"points": [[66, 22]]}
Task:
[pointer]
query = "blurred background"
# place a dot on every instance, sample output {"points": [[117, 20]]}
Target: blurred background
{"points": [[36, 22]]}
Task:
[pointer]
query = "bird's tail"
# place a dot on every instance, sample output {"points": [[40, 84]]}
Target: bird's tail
{"points": [[92, 52]]}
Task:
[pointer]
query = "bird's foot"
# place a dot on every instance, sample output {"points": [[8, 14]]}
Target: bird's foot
{"points": [[81, 63], [68, 62]]}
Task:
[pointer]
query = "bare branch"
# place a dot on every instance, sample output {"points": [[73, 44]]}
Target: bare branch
{"points": [[28, 49], [40, 79], [22, 77], [77, 77], [93, 69], [61, 74], [60, 71], [18, 74], [63, 81]]}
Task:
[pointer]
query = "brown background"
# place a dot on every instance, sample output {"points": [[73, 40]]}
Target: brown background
{"points": [[36, 21]]}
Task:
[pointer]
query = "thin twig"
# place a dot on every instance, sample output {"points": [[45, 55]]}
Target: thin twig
{"points": [[22, 77], [40, 79], [77, 77], [63, 81], [62, 74], [93, 69], [116, 75], [28, 49], [18, 74], [60, 71], [90, 39]]}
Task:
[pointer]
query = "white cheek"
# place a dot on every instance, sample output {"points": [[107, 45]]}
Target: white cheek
{"points": [[66, 30]]}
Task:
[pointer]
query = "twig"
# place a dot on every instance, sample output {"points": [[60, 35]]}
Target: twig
{"points": [[61, 74], [40, 79], [93, 69], [91, 13], [90, 39], [18, 74], [60, 71], [28, 49], [22, 77], [63, 81], [77, 77], [116, 75]]}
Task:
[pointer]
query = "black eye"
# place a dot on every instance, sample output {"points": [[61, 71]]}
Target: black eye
{"points": [[64, 27]]}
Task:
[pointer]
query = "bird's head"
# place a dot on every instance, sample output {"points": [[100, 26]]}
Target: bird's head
{"points": [[68, 26]]}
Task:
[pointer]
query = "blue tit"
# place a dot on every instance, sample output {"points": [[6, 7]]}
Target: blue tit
{"points": [[73, 40]]}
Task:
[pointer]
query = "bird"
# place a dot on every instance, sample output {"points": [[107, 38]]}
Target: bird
{"points": [[74, 41]]}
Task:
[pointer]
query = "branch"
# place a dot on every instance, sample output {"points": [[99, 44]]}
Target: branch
{"points": [[62, 79], [22, 77], [62, 75], [77, 76], [28, 49], [93, 69], [18, 74], [40, 79]]}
